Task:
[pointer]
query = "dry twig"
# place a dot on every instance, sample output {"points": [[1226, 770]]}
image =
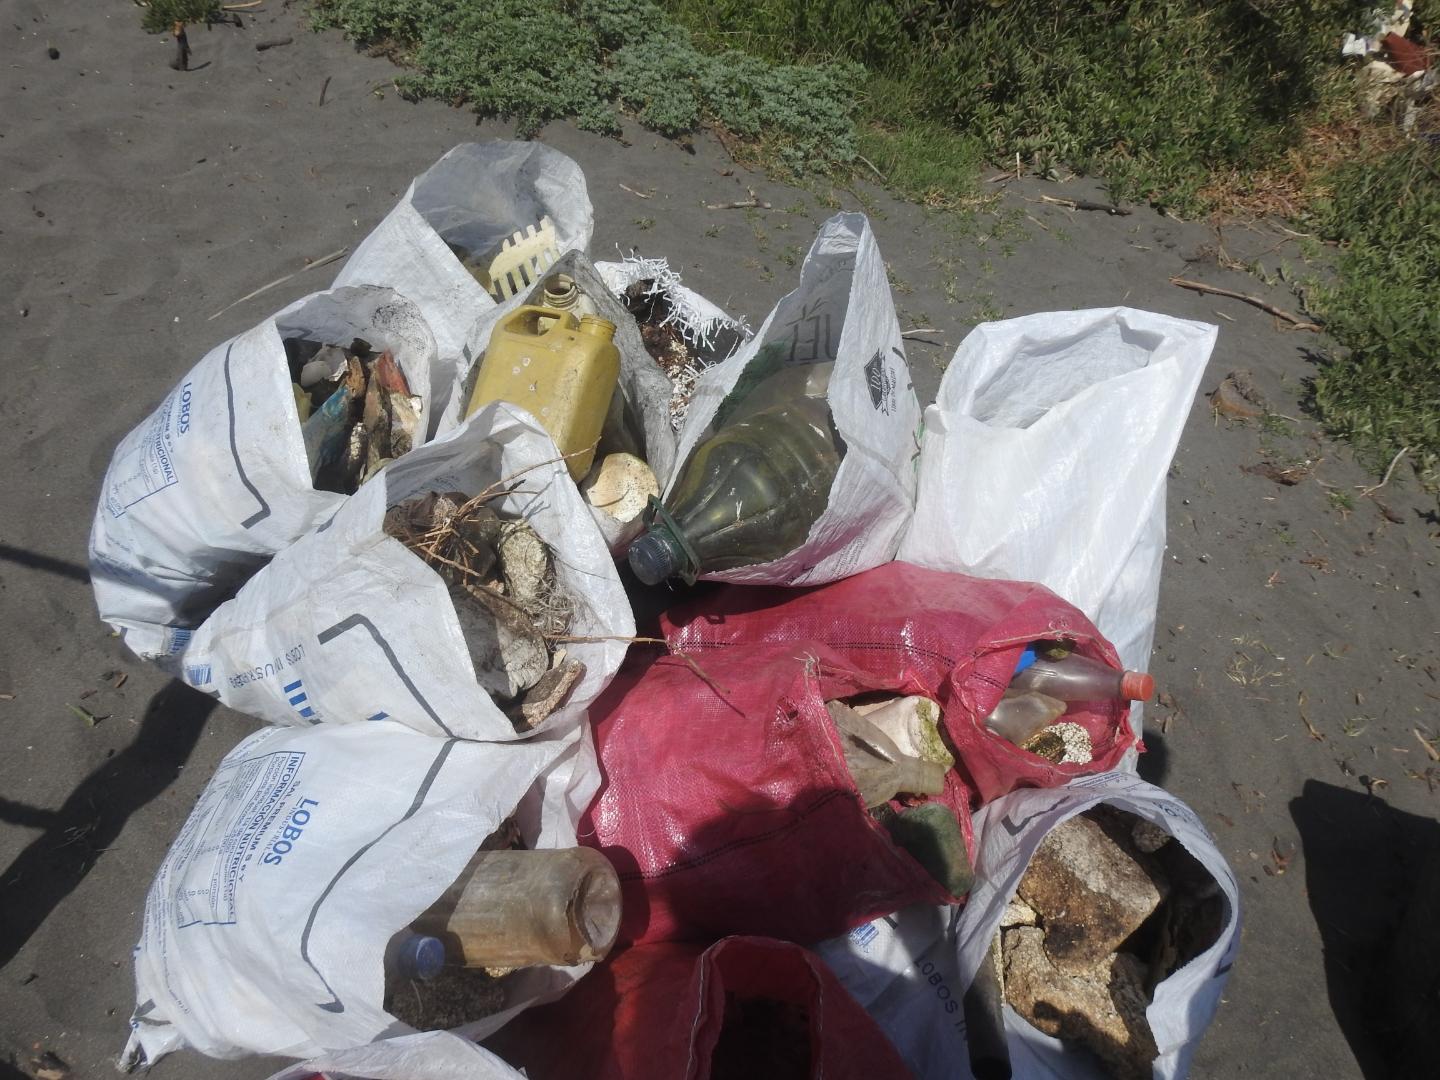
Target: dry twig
{"points": [[1314, 734], [1255, 301], [877, 172], [1386, 479], [698, 670], [1085, 204], [1427, 744], [311, 265], [754, 202]]}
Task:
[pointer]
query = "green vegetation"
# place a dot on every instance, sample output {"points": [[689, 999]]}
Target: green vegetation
{"points": [[1155, 95], [161, 15], [1384, 306], [538, 60]]}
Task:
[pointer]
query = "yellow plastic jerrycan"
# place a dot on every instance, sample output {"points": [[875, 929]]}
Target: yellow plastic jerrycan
{"points": [[560, 371]]}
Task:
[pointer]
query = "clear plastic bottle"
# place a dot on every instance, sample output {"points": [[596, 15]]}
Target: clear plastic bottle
{"points": [[1021, 714], [879, 769], [521, 908], [1079, 678], [746, 495]]}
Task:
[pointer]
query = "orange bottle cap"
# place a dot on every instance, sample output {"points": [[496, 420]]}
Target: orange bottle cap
{"points": [[1137, 686]]}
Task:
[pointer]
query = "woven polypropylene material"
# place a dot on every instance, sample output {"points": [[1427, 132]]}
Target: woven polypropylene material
{"points": [[655, 1012], [727, 807], [726, 804], [953, 637]]}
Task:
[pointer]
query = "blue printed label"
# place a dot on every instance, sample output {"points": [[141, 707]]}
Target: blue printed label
{"points": [[247, 807], [146, 458]]}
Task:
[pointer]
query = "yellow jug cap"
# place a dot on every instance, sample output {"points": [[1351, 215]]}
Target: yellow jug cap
{"points": [[594, 324]]}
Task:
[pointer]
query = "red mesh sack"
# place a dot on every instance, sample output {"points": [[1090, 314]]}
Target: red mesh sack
{"points": [[726, 805], [952, 637], [741, 1008]]}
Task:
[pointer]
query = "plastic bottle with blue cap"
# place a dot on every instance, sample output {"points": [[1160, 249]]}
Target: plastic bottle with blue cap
{"points": [[1050, 675]]}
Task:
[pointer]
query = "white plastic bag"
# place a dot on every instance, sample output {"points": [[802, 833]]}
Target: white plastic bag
{"points": [[216, 480], [475, 196], [428, 1055], [1045, 455], [266, 926], [349, 625], [841, 311], [911, 971]]}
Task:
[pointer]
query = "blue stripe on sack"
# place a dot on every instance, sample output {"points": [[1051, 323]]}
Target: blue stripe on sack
{"points": [[293, 687], [297, 699], [380, 716], [307, 712]]}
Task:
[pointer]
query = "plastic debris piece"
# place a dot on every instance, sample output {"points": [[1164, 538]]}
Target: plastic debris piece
{"points": [[913, 723], [879, 769]]}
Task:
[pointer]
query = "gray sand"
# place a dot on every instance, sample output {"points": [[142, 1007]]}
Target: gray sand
{"points": [[138, 201]]}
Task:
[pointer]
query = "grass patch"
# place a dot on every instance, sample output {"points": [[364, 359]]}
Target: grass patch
{"points": [[161, 15], [532, 61], [1155, 95], [1383, 390], [926, 162]]}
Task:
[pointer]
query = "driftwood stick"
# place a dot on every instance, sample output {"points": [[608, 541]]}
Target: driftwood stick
{"points": [[1084, 204], [752, 203], [1254, 301]]}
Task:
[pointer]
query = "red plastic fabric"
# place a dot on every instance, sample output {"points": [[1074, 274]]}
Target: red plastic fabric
{"points": [[726, 804], [953, 637], [727, 807], [657, 1012]]}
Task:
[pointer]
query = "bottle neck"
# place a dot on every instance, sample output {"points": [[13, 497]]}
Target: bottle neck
{"points": [[657, 556], [661, 551]]}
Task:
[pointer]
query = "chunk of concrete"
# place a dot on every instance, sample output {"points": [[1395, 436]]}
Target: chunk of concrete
{"points": [[1102, 1008], [1090, 892]]}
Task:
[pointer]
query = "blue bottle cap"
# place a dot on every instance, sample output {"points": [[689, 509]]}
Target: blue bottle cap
{"points": [[421, 957], [1026, 659]]}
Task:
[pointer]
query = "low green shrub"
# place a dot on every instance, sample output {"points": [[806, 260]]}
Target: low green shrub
{"points": [[532, 61], [1155, 95], [1382, 389]]}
